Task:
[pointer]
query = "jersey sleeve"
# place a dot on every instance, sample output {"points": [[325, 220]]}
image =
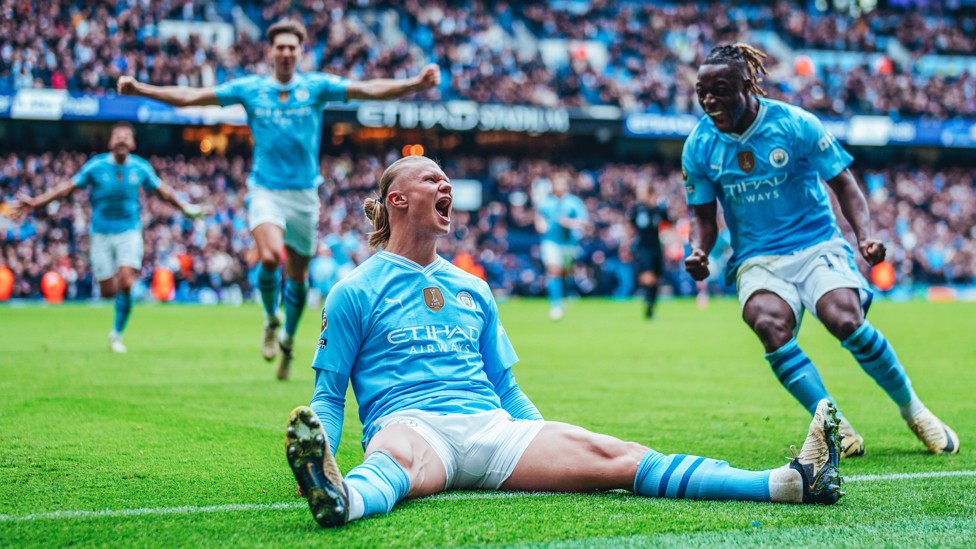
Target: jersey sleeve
{"points": [[699, 189], [84, 176], [496, 349], [232, 92], [329, 87], [150, 180], [819, 147], [342, 335]]}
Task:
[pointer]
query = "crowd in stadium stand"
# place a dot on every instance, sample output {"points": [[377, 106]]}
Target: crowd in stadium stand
{"points": [[490, 51], [926, 216]]}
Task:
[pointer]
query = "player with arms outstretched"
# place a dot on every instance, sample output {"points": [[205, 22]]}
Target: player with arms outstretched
{"points": [[115, 238], [764, 161], [431, 368], [284, 112]]}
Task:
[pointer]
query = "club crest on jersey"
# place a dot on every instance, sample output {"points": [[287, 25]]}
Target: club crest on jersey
{"points": [[747, 161], [779, 157], [283, 96], [465, 299], [133, 178], [684, 173], [301, 94], [118, 176], [434, 298]]}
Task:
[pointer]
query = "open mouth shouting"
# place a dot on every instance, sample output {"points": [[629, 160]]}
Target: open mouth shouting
{"points": [[443, 208]]}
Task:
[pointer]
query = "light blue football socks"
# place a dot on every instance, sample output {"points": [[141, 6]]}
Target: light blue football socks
{"points": [[878, 359], [295, 294], [269, 282], [795, 371], [123, 307], [692, 477], [376, 485]]}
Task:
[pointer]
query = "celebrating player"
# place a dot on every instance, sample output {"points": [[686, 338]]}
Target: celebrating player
{"points": [[645, 218], [560, 220], [430, 366], [764, 161], [284, 112], [115, 239]]}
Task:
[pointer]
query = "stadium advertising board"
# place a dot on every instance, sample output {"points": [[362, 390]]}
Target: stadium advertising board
{"points": [[857, 130], [46, 104], [463, 116]]}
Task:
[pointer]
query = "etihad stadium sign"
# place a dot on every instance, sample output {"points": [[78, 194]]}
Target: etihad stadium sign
{"points": [[463, 116]]}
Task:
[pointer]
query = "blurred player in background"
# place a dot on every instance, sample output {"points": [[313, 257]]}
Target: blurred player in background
{"points": [[560, 221], [115, 238], [431, 368], [284, 112], [645, 219], [764, 160]]}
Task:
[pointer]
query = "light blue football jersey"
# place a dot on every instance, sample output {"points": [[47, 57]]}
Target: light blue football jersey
{"points": [[286, 123], [413, 338], [114, 191], [768, 180], [554, 209]]}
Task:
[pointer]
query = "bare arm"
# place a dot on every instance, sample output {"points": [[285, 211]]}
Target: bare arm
{"points": [[178, 96], [855, 209], [169, 195], [704, 233], [541, 226], [389, 88], [25, 204]]}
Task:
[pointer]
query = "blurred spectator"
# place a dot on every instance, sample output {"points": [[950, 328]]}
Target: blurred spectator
{"points": [[926, 216], [639, 56]]}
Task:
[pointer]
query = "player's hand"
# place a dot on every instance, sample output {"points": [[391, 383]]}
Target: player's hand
{"points": [[19, 208], [697, 264], [195, 211], [126, 85], [873, 250], [429, 77]]}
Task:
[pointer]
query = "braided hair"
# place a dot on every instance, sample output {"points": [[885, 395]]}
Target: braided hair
{"points": [[744, 58]]}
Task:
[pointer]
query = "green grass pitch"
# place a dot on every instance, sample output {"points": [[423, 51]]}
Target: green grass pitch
{"points": [[179, 443]]}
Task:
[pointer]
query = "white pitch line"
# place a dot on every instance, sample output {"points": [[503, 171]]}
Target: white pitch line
{"points": [[909, 476], [449, 496]]}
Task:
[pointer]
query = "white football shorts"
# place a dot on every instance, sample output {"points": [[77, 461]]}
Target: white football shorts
{"points": [[479, 451], [295, 211], [803, 277], [562, 255], [110, 251]]}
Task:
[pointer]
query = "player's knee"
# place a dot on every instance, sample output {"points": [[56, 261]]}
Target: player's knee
{"points": [[270, 261], [107, 289], [773, 330], [610, 450], [844, 325]]}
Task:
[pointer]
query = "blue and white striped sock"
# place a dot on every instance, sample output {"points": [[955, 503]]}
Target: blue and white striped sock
{"points": [[795, 371], [878, 359], [692, 477]]}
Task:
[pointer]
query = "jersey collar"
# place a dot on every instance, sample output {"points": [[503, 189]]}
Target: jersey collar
{"points": [[753, 128], [295, 80], [411, 264]]}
